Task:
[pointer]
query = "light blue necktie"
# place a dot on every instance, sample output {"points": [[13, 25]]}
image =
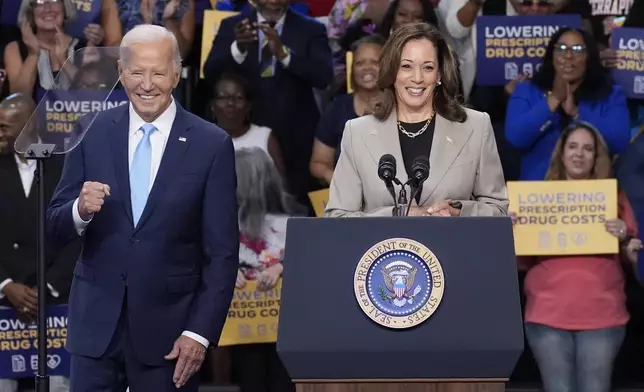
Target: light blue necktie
{"points": [[140, 173]]}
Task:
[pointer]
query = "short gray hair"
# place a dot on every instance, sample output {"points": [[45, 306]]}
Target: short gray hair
{"points": [[149, 33], [27, 8]]}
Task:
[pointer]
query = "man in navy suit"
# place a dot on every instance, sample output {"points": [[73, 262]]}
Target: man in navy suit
{"points": [[151, 189], [284, 55]]}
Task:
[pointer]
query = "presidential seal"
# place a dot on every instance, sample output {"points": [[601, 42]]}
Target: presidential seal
{"points": [[399, 283]]}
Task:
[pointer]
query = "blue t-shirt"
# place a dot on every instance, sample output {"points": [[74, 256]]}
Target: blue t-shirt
{"points": [[333, 120]]}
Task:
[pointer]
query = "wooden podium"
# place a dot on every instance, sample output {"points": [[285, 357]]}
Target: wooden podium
{"points": [[336, 327]]}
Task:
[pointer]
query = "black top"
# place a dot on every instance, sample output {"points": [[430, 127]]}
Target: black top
{"points": [[420, 145], [331, 125]]}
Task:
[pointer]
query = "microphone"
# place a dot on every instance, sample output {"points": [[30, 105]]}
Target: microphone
{"points": [[387, 168], [387, 173], [419, 173]]}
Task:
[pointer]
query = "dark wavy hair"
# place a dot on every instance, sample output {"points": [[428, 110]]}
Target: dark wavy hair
{"points": [[597, 83], [446, 96], [429, 16]]}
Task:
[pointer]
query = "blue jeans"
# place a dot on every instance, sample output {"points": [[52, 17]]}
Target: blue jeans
{"points": [[575, 361]]}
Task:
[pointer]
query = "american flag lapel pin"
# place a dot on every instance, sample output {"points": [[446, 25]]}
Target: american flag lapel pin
{"points": [[449, 139], [182, 139]]}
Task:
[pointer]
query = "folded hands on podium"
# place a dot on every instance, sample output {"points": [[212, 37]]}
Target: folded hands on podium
{"points": [[442, 208]]}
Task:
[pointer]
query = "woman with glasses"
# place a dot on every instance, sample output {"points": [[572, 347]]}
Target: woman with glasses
{"points": [[571, 85], [230, 108], [35, 62]]}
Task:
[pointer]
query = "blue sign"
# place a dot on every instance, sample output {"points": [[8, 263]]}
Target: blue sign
{"points": [[59, 110], [511, 45], [87, 12], [19, 342], [629, 71]]}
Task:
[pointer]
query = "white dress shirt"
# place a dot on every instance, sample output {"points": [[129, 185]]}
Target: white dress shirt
{"points": [[239, 57], [27, 172], [158, 140]]}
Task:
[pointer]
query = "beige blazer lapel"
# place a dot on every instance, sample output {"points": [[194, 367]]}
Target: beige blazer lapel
{"points": [[384, 139], [448, 142]]}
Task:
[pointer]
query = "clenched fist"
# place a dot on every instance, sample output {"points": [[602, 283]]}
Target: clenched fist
{"points": [[91, 199]]}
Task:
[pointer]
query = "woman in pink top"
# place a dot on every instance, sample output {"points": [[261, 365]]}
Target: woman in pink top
{"points": [[575, 313]]}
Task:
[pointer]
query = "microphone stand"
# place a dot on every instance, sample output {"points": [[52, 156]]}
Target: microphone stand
{"points": [[402, 198], [415, 188], [39, 152]]}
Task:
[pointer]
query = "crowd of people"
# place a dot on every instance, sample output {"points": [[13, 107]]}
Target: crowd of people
{"points": [[278, 80]]}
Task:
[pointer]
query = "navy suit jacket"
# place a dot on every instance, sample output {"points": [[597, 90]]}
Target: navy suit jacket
{"points": [[178, 264], [285, 102]]}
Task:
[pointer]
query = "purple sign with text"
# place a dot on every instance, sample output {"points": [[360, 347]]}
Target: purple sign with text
{"points": [[87, 12], [511, 45], [629, 70], [19, 342]]}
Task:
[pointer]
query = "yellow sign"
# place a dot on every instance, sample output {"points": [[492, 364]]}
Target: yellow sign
{"points": [[563, 217], [253, 316], [349, 62], [211, 22], [319, 200], [399, 283]]}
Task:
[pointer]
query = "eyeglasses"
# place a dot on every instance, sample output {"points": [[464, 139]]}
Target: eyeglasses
{"points": [[539, 3], [574, 49], [236, 99], [43, 2]]}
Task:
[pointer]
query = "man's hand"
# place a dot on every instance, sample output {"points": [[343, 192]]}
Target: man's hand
{"points": [[91, 199], [23, 298], [274, 42], [245, 34], [189, 355]]}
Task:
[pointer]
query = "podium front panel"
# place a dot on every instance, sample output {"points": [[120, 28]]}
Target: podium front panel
{"points": [[475, 332]]}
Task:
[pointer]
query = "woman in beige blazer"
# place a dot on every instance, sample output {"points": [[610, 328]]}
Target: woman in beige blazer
{"points": [[419, 115]]}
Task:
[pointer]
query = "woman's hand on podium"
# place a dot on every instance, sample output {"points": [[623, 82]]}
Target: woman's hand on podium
{"points": [[418, 211], [443, 208]]}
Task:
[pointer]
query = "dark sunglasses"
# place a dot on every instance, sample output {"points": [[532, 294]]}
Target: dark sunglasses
{"points": [[574, 49]]}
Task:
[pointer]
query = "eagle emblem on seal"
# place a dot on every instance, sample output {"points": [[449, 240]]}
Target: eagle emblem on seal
{"points": [[399, 279]]}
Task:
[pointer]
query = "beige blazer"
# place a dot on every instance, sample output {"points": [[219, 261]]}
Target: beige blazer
{"points": [[464, 166]]}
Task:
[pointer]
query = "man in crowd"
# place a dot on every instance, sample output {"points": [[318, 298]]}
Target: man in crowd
{"points": [[151, 189], [18, 208], [285, 55]]}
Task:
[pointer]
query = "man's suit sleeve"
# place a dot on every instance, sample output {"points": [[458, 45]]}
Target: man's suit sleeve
{"points": [[61, 229], [220, 58], [346, 192], [316, 65], [490, 195], [221, 243], [61, 268]]}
